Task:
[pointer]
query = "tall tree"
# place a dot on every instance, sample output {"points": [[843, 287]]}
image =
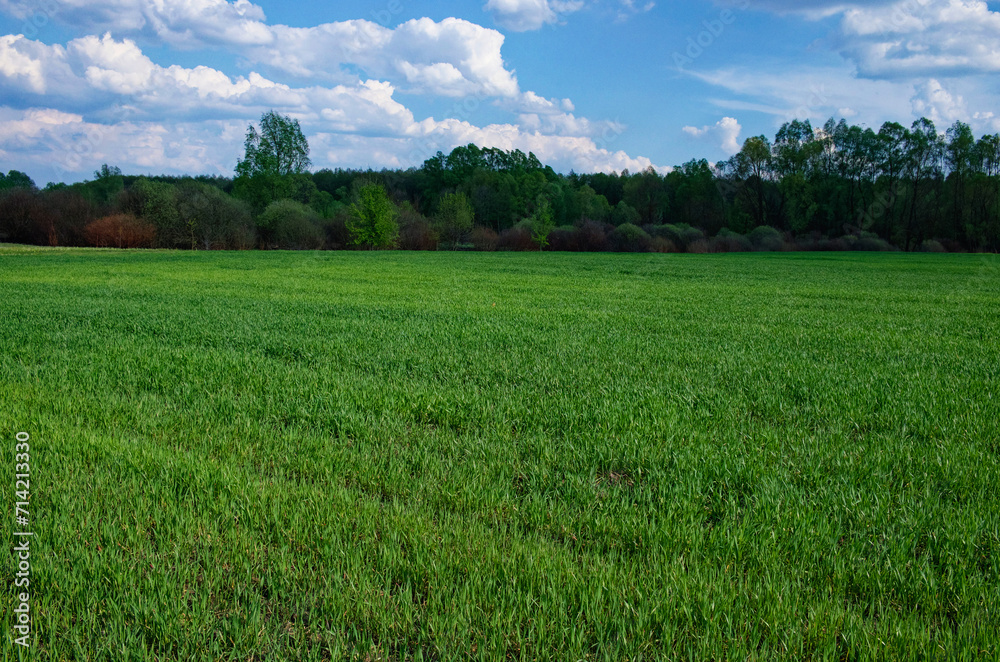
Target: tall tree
{"points": [[274, 164], [753, 166], [454, 218], [924, 153], [960, 156], [279, 148]]}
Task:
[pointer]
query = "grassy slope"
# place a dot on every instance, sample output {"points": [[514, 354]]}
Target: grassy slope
{"points": [[277, 456]]}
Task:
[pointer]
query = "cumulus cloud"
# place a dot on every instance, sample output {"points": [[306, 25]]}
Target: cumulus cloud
{"points": [[907, 38], [937, 104], [140, 115], [923, 38], [188, 24], [726, 132], [451, 58]]}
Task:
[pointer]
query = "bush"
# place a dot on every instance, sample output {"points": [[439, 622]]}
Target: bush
{"points": [[517, 238], [682, 234], [484, 239], [662, 245], [728, 241], [593, 236], [766, 238], [699, 246], [335, 229], [374, 219], [415, 231], [120, 231], [932, 246], [291, 225], [953, 246], [565, 238], [204, 217], [669, 232], [867, 242], [629, 238]]}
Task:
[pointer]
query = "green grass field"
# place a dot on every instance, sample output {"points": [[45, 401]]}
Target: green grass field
{"points": [[395, 456]]}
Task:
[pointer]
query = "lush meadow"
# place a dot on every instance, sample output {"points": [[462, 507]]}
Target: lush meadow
{"points": [[392, 456]]}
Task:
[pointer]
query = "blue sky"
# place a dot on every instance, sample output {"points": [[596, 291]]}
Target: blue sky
{"points": [[169, 86]]}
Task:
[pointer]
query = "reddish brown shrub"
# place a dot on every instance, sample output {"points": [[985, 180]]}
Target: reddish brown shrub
{"points": [[662, 245], [484, 239], [120, 231], [698, 246], [566, 238], [517, 238], [593, 236], [416, 233]]}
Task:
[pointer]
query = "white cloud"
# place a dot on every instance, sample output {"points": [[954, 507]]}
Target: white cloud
{"points": [[628, 8], [907, 38], [15, 63], [139, 115], [451, 58], [938, 105], [523, 15], [188, 24], [923, 38], [726, 132]]}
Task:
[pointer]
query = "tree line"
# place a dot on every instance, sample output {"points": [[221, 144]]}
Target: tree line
{"points": [[838, 187]]}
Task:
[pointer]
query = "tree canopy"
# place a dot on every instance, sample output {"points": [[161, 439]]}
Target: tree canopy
{"points": [[278, 148]]}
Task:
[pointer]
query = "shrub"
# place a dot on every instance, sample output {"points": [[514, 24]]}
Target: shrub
{"points": [[932, 246], [867, 242], [728, 241], [699, 246], [374, 219], [415, 231], [766, 238], [337, 235], [517, 238], [669, 232], [663, 245], [204, 217], [291, 225], [120, 231], [683, 235], [593, 236], [484, 239], [629, 238], [565, 238]]}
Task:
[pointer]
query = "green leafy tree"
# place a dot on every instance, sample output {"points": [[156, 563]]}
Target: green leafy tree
{"points": [[753, 167], [291, 225], [373, 221], [542, 222], [275, 163], [279, 148], [159, 206], [16, 179], [454, 218], [960, 156], [108, 183]]}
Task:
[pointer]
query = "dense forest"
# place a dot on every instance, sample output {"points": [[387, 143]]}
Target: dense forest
{"points": [[839, 187]]}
